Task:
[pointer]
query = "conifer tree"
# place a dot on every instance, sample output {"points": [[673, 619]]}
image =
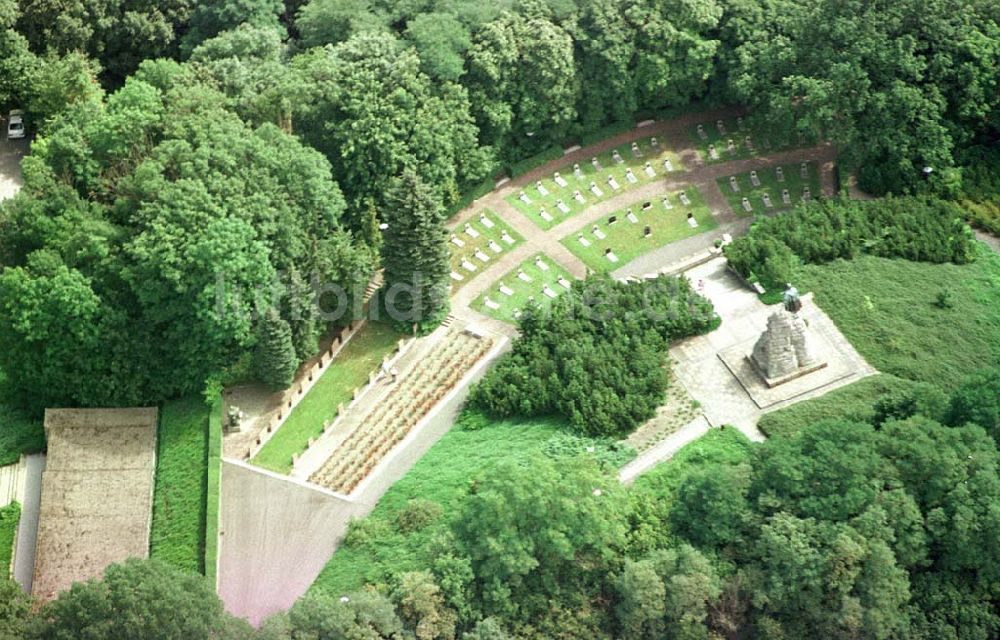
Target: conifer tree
{"points": [[414, 254], [274, 356]]}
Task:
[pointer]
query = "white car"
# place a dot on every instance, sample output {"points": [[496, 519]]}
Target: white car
{"points": [[15, 125]]}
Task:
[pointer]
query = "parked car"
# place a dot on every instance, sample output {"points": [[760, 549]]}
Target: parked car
{"points": [[15, 125]]}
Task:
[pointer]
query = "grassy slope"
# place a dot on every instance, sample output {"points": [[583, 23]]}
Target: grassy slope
{"points": [[886, 309], [853, 402], [442, 475], [349, 369], [726, 446], [178, 531], [626, 240], [9, 517]]}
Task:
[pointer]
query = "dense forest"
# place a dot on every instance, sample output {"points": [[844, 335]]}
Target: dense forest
{"points": [[324, 104]]}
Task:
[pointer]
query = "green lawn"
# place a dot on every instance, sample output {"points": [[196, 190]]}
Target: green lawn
{"points": [[384, 545], [888, 311], [348, 370], [852, 402], [19, 433], [178, 532], [627, 240], [737, 134], [492, 242], [9, 517], [726, 446], [521, 291], [769, 184], [609, 168]]}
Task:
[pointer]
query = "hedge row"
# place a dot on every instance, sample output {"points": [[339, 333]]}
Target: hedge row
{"points": [[212, 494], [913, 228]]}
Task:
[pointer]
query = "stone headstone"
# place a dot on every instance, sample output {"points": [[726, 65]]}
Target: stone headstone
{"points": [[720, 126], [630, 176], [767, 200], [713, 153], [491, 304], [754, 180], [636, 151], [667, 204], [541, 188], [583, 241], [545, 215], [600, 235], [507, 291], [701, 132], [559, 180], [613, 183], [577, 171], [691, 221], [612, 220], [746, 205], [807, 194], [564, 283], [649, 170], [653, 142], [522, 276], [457, 277], [647, 231], [541, 264], [748, 144], [523, 197], [667, 165], [494, 247], [734, 184], [562, 206], [468, 266], [646, 206], [610, 255], [596, 163], [804, 170], [683, 198], [617, 157], [579, 197], [780, 173], [486, 222], [548, 292], [596, 190], [458, 242], [482, 257], [472, 233], [631, 217], [739, 122], [731, 146], [785, 197], [507, 238]]}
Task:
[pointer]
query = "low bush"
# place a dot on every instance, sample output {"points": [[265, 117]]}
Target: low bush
{"points": [[595, 356], [9, 517], [914, 228]]}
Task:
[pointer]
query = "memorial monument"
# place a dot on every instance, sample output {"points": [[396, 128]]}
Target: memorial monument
{"points": [[784, 351]]}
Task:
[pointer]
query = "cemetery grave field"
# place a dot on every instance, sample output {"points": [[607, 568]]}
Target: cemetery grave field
{"points": [[349, 369], [592, 182], [768, 184], [485, 235], [708, 137], [624, 232], [510, 294]]}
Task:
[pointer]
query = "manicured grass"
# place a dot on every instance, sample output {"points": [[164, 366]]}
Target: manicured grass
{"points": [[349, 369], [888, 310], [736, 133], [178, 532], [726, 446], [382, 546], [9, 517], [19, 434], [853, 402], [769, 184], [523, 292], [626, 239], [491, 242], [609, 168]]}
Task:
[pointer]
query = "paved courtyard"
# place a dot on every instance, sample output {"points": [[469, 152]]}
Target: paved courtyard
{"points": [[744, 318]]}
